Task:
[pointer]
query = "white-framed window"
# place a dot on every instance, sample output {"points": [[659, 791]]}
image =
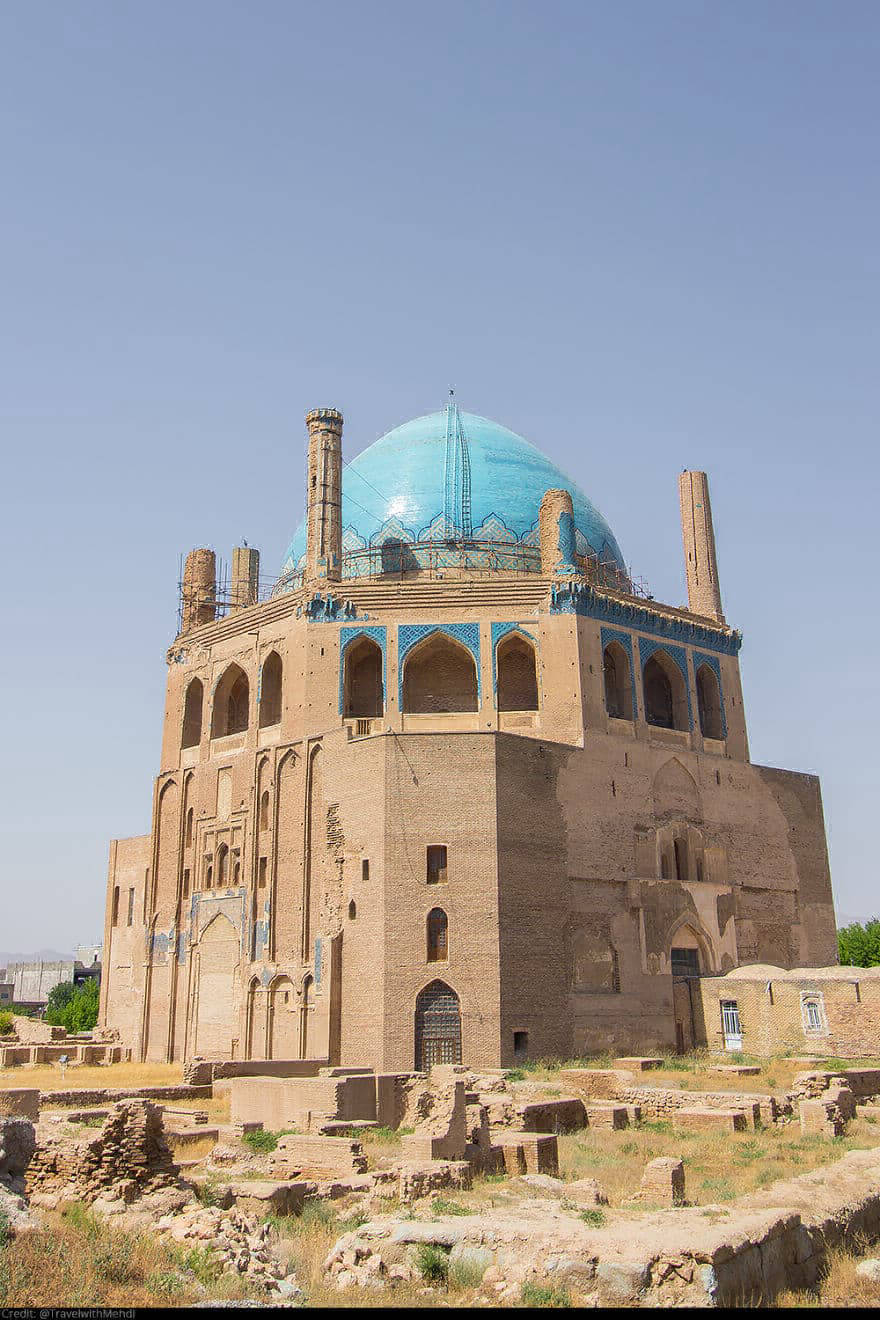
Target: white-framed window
{"points": [[813, 1012]]}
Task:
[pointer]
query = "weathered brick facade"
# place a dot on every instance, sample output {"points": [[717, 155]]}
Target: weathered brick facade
{"points": [[322, 749]]}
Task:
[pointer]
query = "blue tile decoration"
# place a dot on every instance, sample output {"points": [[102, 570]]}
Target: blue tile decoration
{"points": [[678, 655], [714, 664], [500, 630], [395, 490], [566, 543], [582, 599], [624, 640], [328, 609], [346, 637], [410, 633]]}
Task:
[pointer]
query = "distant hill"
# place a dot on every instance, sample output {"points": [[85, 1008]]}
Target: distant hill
{"points": [[41, 955]]}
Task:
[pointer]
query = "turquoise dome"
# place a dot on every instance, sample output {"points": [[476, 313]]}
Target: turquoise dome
{"points": [[453, 476]]}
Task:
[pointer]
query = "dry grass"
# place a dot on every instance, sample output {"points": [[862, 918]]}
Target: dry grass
{"points": [[47, 1077], [841, 1286], [719, 1166], [77, 1260], [695, 1072]]}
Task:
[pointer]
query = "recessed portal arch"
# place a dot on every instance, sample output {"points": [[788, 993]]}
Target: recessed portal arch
{"points": [[666, 703], [618, 682], [439, 677], [517, 672], [363, 693], [709, 703], [231, 710]]}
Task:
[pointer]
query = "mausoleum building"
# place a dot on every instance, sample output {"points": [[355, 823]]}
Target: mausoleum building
{"points": [[452, 787]]}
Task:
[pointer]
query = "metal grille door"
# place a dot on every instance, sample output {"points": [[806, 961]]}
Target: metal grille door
{"points": [[438, 1027]]}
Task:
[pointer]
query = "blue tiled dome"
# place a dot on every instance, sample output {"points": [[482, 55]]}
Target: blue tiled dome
{"points": [[411, 486]]}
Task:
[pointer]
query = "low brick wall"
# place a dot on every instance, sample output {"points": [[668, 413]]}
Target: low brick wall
{"points": [[656, 1103], [88, 1099]]}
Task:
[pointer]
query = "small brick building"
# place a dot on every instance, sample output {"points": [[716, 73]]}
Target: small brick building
{"points": [[452, 786]]}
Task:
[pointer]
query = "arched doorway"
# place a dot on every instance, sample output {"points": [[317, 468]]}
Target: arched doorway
{"points": [[283, 1026], [438, 1026], [517, 674]]}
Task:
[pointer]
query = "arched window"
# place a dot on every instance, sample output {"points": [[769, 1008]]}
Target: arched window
{"points": [[352, 910], [709, 703], [437, 935], [681, 859], [209, 877], [517, 674], [264, 810], [222, 866], [270, 690], [665, 693], [439, 677], [189, 828], [192, 714], [231, 703], [362, 679], [618, 682]]}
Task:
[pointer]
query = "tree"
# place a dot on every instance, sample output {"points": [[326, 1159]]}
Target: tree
{"points": [[859, 945], [74, 1007], [59, 997]]}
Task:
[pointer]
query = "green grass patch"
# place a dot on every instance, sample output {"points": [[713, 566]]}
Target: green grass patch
{"points": [[536, 1294], [441, 1206], [594, 1218], [432, 1262]]}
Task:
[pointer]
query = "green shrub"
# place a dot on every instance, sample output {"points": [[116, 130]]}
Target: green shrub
{"points": [[164, 1283], [262, 1140], [113, 1260], [5, 1022], [440, 1206], [199, 1262], [516, 1074], [4, 1228], [317, 1213], [535, 1294], [595, 1218], [432, 1262]]}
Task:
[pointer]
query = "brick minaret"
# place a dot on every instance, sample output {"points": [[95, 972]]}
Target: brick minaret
{"points": [[556, 533], [324, 497], [704, 594], [199, 592], [244, 588]]}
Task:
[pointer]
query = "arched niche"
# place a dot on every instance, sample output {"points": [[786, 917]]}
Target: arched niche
{"points": [[231, 708], [665, 693], [517, 673], [617, 675], [439, 677], [362, 679]]}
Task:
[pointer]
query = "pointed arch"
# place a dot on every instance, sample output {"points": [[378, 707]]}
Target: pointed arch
{"points": [[231, 706], [517, 672], [437, 1026], [363, 680], [674, 791], [191, 732], [437, 936], [439, 677], [665, 692], [283, 1019], [687, 937], [709, 705], [617, 676], [271, 688]]}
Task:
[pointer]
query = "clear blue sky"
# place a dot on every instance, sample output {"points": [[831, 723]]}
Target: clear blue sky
{"points": [[643, 235]]}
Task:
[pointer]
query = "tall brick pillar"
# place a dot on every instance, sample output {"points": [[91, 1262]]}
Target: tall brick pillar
{"points": [[324, 497], [698, 536], [199, 591], [245, 577], [556, 533]]}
